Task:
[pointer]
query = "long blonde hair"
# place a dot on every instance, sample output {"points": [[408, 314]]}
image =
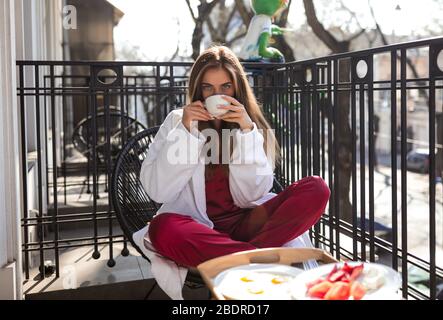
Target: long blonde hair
{"points": [[222, 57]]}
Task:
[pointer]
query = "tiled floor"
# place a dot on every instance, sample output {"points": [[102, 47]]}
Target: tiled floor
{"points": [[82, 277], [130, 290]]}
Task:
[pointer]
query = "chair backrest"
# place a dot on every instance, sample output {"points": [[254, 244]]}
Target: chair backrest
{"points": [[82, 137], [132, 205]]}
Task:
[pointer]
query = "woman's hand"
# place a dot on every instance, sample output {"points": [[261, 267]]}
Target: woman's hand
{"points": [[237, 113], [195, 111]]}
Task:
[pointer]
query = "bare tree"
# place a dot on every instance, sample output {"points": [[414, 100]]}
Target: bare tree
{"points": [[335, 45], [203, 11], [371, 39], [222, 29], [225, 15], [344, 141], [385, 42], [281, 43], [245, 13]]}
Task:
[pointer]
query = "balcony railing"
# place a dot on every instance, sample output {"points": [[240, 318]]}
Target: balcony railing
{"points": [[356, 119]]}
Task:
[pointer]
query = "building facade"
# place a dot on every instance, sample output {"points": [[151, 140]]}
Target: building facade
{"points": [[29, 30]]}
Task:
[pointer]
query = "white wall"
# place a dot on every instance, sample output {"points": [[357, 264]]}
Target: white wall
{"points": [[10, 201], [38, 25], [29, 30]]}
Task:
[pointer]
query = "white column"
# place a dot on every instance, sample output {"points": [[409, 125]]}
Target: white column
{"points": [[10, 175]]}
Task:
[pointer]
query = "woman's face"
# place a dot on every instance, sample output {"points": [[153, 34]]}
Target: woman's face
{"points": [[217, 81]]}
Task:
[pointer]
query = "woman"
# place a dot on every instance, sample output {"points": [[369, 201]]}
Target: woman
{"points": [[218, 208]]}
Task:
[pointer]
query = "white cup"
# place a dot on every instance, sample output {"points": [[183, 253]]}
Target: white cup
{"points": [[212, 102]]}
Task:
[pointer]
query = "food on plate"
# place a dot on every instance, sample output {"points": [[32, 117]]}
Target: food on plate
{"points": [[278, 280], [347, 280], [339, 291], [319, 289], [357, 290], [255, 285], [373, 278], [246, 279], [256, 288], [340, 284]]}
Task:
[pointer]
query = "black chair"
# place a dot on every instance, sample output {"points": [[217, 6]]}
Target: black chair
{"points": [[133, 207], [82, 137], [82, 134]]}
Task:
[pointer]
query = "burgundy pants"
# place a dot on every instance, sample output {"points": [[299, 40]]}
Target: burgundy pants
{"points": [[277, 221]]}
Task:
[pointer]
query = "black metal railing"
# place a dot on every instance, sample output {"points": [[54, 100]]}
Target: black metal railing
{"points": [[347, 118]]}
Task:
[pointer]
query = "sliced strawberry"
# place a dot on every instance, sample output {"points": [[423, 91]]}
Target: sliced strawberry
{"points": [[313, 283], [337, 276], [357, 290], [332, 271], [339, 291], [356, 272], [319, 290], [346, 278], [347, 268]]}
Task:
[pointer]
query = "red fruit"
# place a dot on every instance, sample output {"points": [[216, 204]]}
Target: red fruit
{"points": [[319, 290], [346, 278], [356, 272], [309, 285], [339, 291], [357, 290], [332, 271], [347, 268], [337, 276]]}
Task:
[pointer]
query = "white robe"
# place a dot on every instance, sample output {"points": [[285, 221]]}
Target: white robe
{"points": [[173, 173]]}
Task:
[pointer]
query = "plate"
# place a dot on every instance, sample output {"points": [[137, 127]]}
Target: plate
{"points": [[256, 282], [385, 288]]}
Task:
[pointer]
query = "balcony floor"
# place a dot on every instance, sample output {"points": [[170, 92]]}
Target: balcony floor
{"points": [[82, 277]]}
